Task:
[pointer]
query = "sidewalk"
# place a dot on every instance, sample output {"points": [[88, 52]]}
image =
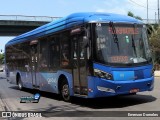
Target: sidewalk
{"points": [[1, 105], [1, 102]]}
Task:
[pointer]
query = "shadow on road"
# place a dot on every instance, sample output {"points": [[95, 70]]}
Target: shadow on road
{"points": [[99, 103], [44, 94], [114, 102], [2, 78]]}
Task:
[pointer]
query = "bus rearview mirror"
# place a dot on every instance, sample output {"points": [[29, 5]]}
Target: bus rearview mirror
{"points": [[85, 41]]}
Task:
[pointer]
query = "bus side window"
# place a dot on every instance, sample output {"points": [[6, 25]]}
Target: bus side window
{"points": [[43, 55], [65, 49], [54, 53]]}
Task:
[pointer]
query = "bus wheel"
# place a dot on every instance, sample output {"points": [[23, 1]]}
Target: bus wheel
{"points": [[65, 91], [20, 86]]}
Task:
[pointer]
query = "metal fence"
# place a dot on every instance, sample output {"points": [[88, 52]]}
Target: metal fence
{"points": [[28, 18]]}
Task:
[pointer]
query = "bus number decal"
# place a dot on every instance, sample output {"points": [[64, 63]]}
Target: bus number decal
{"points": [[119, 59]]}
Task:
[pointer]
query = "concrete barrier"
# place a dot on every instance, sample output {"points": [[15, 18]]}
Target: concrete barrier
{"points": [[157, 73]]}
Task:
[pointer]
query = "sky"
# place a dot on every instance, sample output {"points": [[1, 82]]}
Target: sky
{"points": [[62, 8]]}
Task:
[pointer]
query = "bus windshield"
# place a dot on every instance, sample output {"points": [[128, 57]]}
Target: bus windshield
{"points": [[122, 44]]}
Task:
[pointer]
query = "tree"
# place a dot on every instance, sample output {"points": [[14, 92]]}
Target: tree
{"points": [[1, 58], [154, 41], [132, 15], [137, 17]]}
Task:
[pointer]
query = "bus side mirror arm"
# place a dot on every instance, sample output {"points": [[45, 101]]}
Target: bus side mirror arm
{"points": [[86, 45], [85, 41]]}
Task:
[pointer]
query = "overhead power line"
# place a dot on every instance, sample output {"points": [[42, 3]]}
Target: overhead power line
{"points": [[141, 5]]}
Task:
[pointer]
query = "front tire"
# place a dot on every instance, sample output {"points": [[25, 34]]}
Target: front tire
{"points": [[65, 91]]}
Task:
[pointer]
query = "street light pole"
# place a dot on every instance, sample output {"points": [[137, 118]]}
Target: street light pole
{"points": [[155, 18], [158, 12], [147, 11]]}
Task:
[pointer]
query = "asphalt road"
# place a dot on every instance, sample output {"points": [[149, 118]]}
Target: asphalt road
{"points": [[146, 101]]}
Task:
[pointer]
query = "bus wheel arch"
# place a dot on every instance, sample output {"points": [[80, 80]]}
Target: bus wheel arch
{"points": [[19, 81], [63, 87]]}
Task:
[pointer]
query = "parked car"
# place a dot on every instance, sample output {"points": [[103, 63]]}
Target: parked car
{"points": [[1, 68]]}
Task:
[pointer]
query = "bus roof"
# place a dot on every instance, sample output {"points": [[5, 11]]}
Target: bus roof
{"points": [[69, 21]]}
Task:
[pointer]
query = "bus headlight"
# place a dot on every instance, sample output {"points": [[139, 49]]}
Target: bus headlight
{"points": [[102, 74]]}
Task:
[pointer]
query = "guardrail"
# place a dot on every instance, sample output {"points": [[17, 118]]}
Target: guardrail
{"points": [[28, 18], [47, 18]]}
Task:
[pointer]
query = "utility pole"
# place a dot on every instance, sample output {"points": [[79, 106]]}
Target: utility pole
{"points": [[158, 12], [147, 11], [155, 18]]}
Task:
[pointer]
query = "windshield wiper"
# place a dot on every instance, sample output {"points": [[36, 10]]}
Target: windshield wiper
{"points": [[133, 41], [114, 34], [134, 47]]}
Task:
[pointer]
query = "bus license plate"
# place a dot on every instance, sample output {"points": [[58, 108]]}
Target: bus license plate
{"points": [[134, 90]]}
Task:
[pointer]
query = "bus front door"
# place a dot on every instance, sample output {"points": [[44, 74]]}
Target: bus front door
{"points": [[79, 66], [34, 62]]}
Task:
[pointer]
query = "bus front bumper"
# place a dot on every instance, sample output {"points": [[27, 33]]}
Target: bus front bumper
{"points": [[98, 87]]}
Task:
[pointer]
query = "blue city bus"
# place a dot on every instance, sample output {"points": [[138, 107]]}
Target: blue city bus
{"points": [[86, 55]]}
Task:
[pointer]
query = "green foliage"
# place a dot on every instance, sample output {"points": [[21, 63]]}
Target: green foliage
{"points": [[1, 58], [132, 15], [151, 29], [155, 44], [137, 17], [155, 40]]}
